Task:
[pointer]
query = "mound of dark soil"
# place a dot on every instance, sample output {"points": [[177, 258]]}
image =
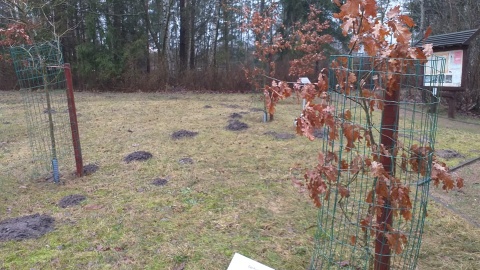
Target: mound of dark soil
{"points": [[138, 156], [231, 106], [90, 169], [280, 136], [26, 227], [71, 200], [51, 111], [183, 134], [49, 177], [448, 154], [235, 116], [284, 136], [320, 133], [236, 125], [160, 182], [207, 107], [186, 160]]}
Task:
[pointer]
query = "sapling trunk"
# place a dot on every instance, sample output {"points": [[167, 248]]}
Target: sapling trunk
{"points": [[50, 121]]}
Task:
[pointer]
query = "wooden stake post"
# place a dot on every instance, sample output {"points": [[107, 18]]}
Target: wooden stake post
{"points": [[389, 127], [72, 111]]}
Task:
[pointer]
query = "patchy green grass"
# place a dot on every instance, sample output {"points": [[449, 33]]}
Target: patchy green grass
{"points": [[449, 241], [236, 197], [459, 136]]}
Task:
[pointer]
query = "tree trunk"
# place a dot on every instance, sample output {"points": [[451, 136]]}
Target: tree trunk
{"points": [[226, 32], [166, 28], [422, 18], [192, 34], [150, 32], [183, 52], [215, 40], [148, 25], [383, 8]]}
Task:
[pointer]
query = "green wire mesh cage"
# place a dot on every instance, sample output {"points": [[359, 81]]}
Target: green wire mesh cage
{"points": [[346, 237], [40, 72]]}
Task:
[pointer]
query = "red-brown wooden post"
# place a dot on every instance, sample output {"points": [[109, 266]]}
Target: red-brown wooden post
{"points": [[389, 127], [73, 120]]}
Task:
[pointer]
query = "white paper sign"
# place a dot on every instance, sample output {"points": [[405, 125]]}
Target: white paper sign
{"points": [[240, 262], [453, 70], [304, 80]]}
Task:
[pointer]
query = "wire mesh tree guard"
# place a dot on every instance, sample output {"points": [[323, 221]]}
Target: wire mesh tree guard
{"points": [[47, 92], [357, 228]]}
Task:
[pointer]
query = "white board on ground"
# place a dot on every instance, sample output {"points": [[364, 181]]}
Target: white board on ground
{"points": [[240, 262]]}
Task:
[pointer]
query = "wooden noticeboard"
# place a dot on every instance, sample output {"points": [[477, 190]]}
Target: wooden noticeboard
{"points": [[454, 48], [454, 79]]}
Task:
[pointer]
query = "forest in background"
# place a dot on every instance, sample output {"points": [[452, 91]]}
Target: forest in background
{"points": [[157, 45]]}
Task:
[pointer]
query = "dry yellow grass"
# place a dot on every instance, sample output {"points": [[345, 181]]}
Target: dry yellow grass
{"points": [[236, 197]]}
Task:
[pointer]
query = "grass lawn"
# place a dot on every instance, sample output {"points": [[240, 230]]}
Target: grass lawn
{"points": [[237, 196]]}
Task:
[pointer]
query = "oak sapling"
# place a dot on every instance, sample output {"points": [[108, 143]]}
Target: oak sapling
{"points": [[14, 34], [306, 38], [389, 196]]}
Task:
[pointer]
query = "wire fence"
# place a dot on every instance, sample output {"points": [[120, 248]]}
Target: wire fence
{"points": [[348, 236], [41, 77]]}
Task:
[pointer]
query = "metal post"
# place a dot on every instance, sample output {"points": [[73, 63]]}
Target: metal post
{"points": [[73, 120]]}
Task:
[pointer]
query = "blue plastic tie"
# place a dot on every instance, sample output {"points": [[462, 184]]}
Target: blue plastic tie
{"points": [[56, 174]]}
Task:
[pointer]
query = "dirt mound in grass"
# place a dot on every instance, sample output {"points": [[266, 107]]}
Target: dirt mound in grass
{"points": [[138, 156], [448, 154], [160, 182], [284, 136], [90, 169], [71, 200], [235, 116], [183, 134], [207, 107], [49, 111], [280, 136], [230, 106], [186, 160], [26, 227], [320, 133], [236, 125]]}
